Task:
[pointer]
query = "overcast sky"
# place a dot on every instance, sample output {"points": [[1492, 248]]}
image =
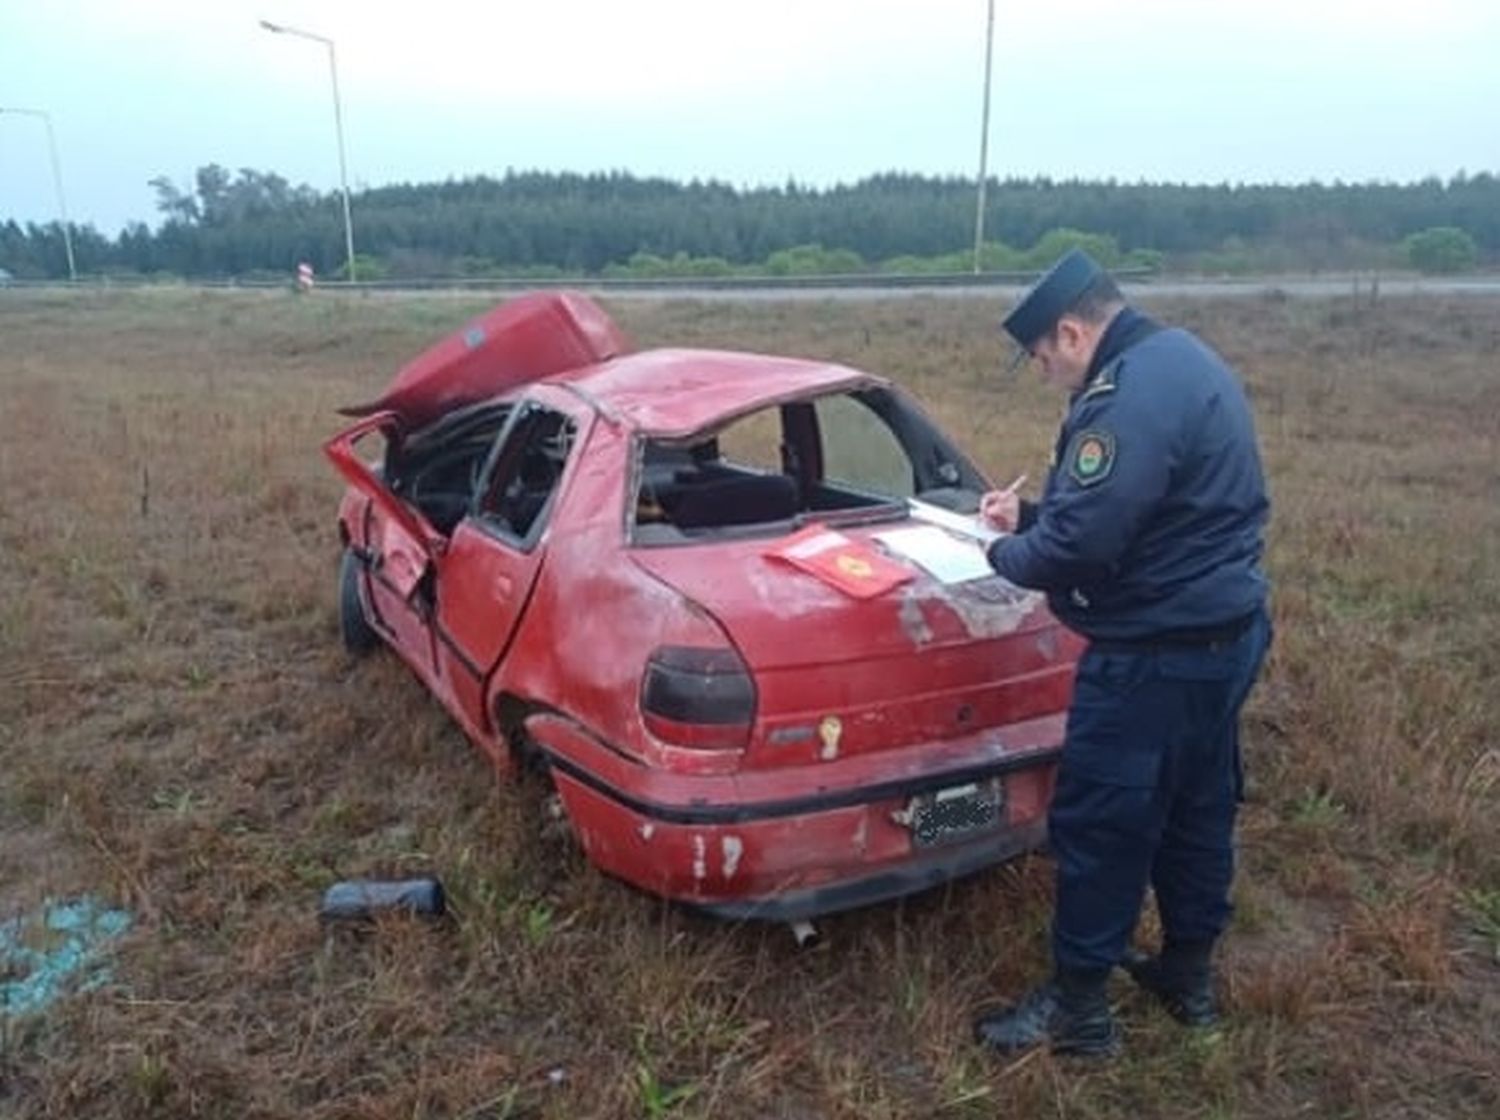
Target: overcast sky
{"points": [[749, 92]]}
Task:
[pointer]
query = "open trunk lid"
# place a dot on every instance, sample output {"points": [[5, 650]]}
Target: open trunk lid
{"points": [[523, 340]]}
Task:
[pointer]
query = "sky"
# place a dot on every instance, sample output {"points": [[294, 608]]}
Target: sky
{"points": [[750, 93]]}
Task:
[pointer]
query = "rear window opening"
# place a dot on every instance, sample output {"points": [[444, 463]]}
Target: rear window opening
{"points": [[841, 458]]}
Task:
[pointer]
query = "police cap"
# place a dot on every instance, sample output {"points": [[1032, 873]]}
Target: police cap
{"points": [[1038, 310]]}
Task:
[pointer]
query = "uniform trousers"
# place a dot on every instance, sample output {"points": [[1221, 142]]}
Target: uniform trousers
{"points": [[1147, 790]]}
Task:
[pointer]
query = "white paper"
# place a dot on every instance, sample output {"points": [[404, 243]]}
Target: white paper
{"points": [[948, 558], [965, 524]]}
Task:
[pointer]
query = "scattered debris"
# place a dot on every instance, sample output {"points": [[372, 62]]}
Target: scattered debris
{"points": [[363, 899], [45, 954], [805, 934]]}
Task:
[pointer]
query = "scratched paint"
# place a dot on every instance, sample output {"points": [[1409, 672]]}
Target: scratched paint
{"points": [[777, 591], [52, 951], [733, 848], [700, 857], [913, 621], [862, 833], [987, 608]]}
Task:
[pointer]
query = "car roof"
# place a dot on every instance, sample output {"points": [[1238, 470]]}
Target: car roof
{"points": [[684, 392]]}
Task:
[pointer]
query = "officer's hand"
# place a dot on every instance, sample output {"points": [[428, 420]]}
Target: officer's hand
{"points": [[1001, 509]]}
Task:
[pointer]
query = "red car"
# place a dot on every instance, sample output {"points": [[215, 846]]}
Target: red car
{"points": [[728, 601]]}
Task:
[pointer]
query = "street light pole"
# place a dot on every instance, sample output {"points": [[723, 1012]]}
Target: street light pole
{"points": [[984, 136], [57, 183], [338, 127]]}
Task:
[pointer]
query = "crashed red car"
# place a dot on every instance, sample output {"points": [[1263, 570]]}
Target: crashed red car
{"points": [[591, 557]]}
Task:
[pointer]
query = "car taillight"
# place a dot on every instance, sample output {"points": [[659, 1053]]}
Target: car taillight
{"points": [[702, 698]]}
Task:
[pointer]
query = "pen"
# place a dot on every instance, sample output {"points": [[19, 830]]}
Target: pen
{"points": [[1016, 485]]}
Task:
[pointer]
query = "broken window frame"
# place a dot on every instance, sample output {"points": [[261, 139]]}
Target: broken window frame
{"points": [[941, 473], [459, 442], [503, 467]]}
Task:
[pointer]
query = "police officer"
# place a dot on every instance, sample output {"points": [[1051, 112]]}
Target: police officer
{"points": [[1147, 541]]}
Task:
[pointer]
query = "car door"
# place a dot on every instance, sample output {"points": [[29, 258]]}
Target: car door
{"points": [[397, 546], [486, 574]]}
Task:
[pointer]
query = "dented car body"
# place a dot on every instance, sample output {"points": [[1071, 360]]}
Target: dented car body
{"points": [[569, 543]]}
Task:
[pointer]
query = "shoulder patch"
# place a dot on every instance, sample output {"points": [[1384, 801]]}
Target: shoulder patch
{"points": [[1091, 456]]}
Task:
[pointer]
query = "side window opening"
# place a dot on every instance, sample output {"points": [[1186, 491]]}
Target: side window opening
{"points": [[437, 468], [523, 477], [880, 439], [860, 451], [752, 443]]}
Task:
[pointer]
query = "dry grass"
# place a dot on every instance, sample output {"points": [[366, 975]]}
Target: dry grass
{"points": [[180, 733]]}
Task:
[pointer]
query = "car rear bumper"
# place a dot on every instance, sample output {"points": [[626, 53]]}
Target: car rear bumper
{"points": [[931, 869], [798, 844]]}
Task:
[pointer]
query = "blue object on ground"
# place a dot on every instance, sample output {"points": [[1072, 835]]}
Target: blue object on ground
{"points": [[362, 899], [45, 954]]}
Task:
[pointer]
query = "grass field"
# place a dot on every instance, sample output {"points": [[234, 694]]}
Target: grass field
{"points": [[181, 735]]}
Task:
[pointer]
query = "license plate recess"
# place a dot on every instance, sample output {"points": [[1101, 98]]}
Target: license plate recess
{"points": [[956, 813]]}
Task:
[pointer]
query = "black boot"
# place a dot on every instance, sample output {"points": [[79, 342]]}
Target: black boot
{"points": [[1180, 977], [1070, 1011]]}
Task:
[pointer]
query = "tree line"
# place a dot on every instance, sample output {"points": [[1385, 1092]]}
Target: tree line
{"points": [[254, 224]]}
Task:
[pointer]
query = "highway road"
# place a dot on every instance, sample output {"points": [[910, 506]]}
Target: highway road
{"points": [[851, 288], [1302, 287]]}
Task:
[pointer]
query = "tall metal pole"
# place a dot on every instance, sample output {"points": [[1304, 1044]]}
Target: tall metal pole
{"points": [[57, 184], [338, 128], [984, 135]]}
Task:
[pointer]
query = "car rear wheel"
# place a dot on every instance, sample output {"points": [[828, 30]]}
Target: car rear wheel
{"points": [[354, 627]]}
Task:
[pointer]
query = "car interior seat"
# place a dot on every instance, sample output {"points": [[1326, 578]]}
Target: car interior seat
{"points": [[735, 500]]}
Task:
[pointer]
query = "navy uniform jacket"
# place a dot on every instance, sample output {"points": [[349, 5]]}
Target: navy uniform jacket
{"points": [[1153, 515]]}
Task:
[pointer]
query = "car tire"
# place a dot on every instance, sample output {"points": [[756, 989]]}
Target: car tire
{"points": [[354, 626]]}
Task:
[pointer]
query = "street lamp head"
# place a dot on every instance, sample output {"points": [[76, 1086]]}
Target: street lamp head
{"points": [[287, 29]]}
